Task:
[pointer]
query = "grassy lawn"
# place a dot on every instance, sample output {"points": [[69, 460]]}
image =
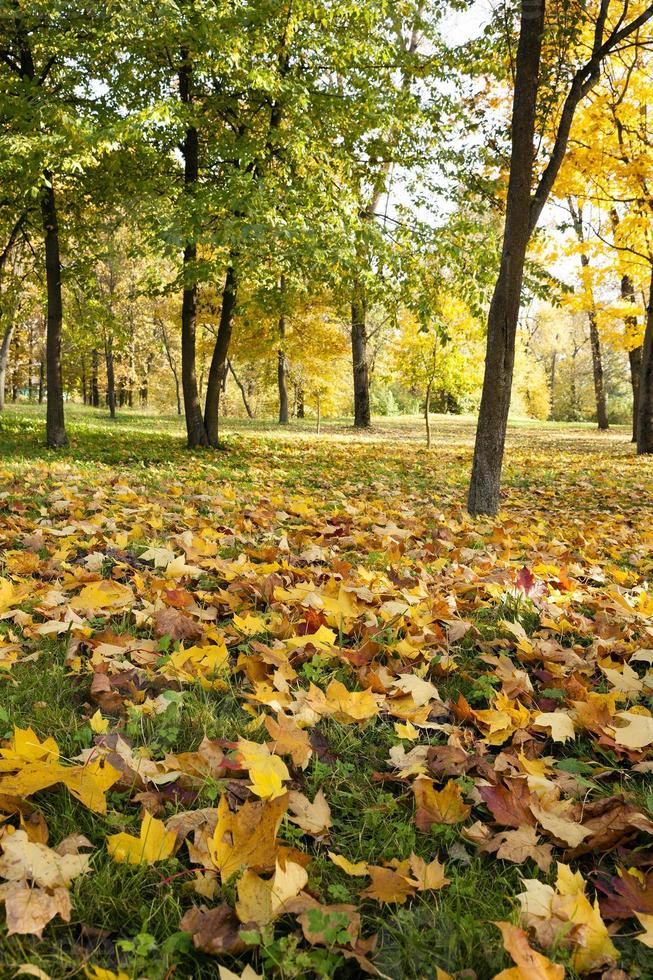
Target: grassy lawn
{"points": [[364, 537]]}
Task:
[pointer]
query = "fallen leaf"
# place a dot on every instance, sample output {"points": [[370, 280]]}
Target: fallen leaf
{"points": [[531, 965], [445, 806], [153, 844], [261, 900], [215, 931]]}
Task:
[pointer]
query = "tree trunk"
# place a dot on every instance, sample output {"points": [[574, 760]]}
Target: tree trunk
{"points": [[30, 362], [84, 383], [319, 414], [95, 383], [195, 429], [597, 368], [111, 377], [359, 358], [484, 490], [171, 363], [241, 386], [41, 380], [552, 382], [645, 412], [301, 408], [634, 355], [281, 374], [55, 426], [427, 409], [635, 363], [4, 354], [219, 358], [595, 341]]}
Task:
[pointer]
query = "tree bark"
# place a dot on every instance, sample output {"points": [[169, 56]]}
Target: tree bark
{"points": [[219, 358], [645, 408], [111, 377], [595, 341], [634, 355], [95, 384], [318, 425], [4, 354], [484, 490], [281, 374], [241, 386], [171, 363], [359, 358], [427, 409], [195, 429], [301, 408], [597, 369], [55, 426]]}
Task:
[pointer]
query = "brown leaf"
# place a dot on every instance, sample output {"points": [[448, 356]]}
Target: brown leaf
{"points": [[388, 886], [610, 822], [313, 818], [28, 910], [175, 624], [509, 804], [215, 930], [320, 922], [627, 893]]}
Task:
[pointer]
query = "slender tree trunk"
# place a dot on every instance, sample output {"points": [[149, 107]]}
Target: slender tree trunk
{"points": [[427, 409], [645, 408], [41, 380], [241, 386], [318, 426], [484, 490], [4, 354], [635, 354], [195, 428], [301, 408], [171, 362], [219, 358], [30, 362], [84, 383], [635, 363], [281, 374], [552, 382], [595, 341], [111, 377], [597, 368], [359, 358], [55, 426], [145, 381], [95, 382]]}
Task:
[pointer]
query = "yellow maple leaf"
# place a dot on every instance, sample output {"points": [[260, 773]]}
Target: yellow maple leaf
{"points": [[153, 844], [99, 973], [261, 900], [407, 731], [250, 625], [356, 870], [25, 747], [351, 706], [104, 594], [98, 724], [246, 838], [267, 772]]}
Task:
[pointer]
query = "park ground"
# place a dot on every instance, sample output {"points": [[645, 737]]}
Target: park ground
{"points": [[412, 720]]}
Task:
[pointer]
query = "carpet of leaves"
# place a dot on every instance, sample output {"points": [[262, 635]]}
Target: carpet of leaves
{"points": [[300, 691]]}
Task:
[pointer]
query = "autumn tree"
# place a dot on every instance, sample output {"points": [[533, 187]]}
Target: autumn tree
{"points": [[579, 50]]}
